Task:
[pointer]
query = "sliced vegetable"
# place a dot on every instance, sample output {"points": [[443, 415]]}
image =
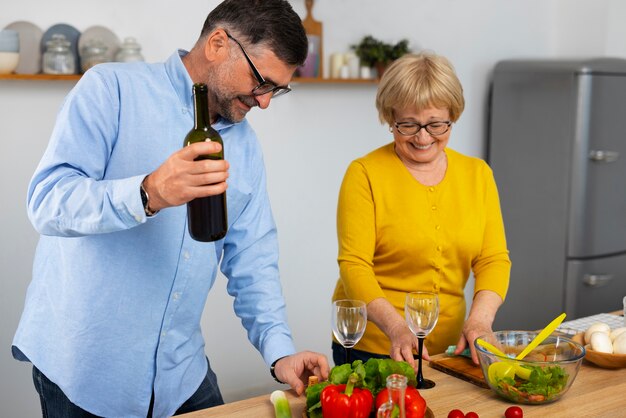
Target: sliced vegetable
{"points": [[542, 385], [281, 404]]}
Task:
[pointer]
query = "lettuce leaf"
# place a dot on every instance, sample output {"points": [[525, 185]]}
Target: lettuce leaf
{"points": [[372, 376]]}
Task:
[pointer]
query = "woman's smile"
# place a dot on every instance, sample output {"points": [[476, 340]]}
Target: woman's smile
{"points": [[421, 147]]}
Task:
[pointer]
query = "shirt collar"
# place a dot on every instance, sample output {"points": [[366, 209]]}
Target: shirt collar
{"points": [[180, 79], [182, 83]]}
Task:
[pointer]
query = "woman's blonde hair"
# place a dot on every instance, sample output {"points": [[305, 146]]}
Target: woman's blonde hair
{"points": [[419, 81]]}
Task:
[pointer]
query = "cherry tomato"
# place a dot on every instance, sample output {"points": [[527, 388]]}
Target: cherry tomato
{"points": [[514, 412], [456, 413], [471, 414]]}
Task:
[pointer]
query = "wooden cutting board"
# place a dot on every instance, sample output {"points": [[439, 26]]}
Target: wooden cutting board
{"points": [[459, 366], [313, 28]]}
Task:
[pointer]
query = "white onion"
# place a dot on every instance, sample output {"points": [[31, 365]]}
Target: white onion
{"points": [[601, 342], [617, 331], [597, 327], [619, 345]]}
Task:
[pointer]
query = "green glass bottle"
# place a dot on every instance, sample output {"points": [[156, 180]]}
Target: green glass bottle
{"points": [[206, 216]]}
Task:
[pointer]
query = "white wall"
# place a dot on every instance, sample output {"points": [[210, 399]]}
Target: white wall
{"points": [[308, 137]]}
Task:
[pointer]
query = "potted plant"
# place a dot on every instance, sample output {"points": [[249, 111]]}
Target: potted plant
{"points": [[375, 53]]}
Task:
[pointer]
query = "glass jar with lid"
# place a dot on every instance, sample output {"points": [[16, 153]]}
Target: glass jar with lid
{"points": [[130, 51], [92, 53], [58, 59]]}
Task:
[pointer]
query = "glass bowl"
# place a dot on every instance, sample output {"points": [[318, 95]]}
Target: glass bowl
{"points": [[543, 376]]}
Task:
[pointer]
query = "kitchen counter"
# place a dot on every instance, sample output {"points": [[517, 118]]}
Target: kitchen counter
{"points": [[596, 392]]}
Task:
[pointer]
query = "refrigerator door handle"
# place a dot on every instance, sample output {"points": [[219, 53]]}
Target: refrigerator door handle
{"points": [[603, 156], [597, 280]]}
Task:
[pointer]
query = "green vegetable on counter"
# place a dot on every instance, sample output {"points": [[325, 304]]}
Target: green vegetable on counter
{"points": [[542, 385], [281, 404], [372, 375]]}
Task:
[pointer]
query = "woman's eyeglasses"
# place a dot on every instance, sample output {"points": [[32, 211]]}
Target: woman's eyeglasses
{"points": [[433, 128]]}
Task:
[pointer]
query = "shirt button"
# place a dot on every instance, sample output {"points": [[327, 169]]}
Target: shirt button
{"points": [[176, 295], [138, 218], [186, 255], [431, 189], [163, 334], [437, 227], [433, 207], [439, 248]]}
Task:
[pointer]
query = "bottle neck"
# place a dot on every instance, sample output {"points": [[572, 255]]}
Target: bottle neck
{"points": [[396, 385], [201, 108]]}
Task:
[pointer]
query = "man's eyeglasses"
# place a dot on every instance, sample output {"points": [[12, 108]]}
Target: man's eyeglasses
{"points": [[433, 128], [264, 86]]}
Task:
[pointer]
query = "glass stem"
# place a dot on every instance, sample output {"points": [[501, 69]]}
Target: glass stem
{"points": [[420, 378], [348, 352]]}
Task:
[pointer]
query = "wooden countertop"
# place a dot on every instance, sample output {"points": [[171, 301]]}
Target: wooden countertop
{"points": [[596, 392]]}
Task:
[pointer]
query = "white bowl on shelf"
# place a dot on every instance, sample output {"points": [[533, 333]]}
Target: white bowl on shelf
{"points": [[8, 62]]}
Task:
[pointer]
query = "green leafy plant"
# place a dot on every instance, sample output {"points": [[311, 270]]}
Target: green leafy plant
{"points": [[372, 51]]}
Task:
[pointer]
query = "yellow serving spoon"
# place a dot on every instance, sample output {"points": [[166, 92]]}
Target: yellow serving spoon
{"points": [[505, 369], [502, 368]]}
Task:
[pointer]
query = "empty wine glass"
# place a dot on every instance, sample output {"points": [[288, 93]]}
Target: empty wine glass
{"points": [[349, 318], [421, 310]]}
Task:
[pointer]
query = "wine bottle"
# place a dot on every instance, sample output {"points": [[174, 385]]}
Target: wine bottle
{"points": [[206, 216]]}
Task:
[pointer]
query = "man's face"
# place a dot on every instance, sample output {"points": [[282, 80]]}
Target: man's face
{"points": [[232, 84]]}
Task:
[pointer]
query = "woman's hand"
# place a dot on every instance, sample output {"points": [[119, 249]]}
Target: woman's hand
{"points": [[403, 342], [479, 321]]}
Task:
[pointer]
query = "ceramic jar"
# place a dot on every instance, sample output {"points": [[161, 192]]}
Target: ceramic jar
{"points": [[58, 59], [130, 51], [92, 53]]}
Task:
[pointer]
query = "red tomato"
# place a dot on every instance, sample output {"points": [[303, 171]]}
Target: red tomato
{"points": [[456, 413], [471, 415], [414, 404], [514, 412]]}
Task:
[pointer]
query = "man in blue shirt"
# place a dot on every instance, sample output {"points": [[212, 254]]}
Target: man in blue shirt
{"points": [[112, 315]]}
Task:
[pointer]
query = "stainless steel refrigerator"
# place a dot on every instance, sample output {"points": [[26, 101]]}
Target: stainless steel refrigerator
{"points": [[557, 146]]}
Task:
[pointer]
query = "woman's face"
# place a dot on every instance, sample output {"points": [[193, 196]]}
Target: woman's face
{"points": [[420, 148]]}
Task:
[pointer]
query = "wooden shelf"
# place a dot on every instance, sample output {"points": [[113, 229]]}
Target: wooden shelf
{"points": [[318, 80], [296, 80], [70, 77]]}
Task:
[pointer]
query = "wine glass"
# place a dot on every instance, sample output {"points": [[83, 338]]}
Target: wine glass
{"points": [[421, 310], [349, 318]]}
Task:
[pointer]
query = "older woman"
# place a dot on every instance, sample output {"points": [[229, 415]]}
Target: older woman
{"points": [[414, 215]]}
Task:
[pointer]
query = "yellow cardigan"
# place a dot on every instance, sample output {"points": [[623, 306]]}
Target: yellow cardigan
{"points": [[397, 236]]}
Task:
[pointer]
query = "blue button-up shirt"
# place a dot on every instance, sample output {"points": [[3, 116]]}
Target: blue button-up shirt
{"points": [[113, 310]]}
